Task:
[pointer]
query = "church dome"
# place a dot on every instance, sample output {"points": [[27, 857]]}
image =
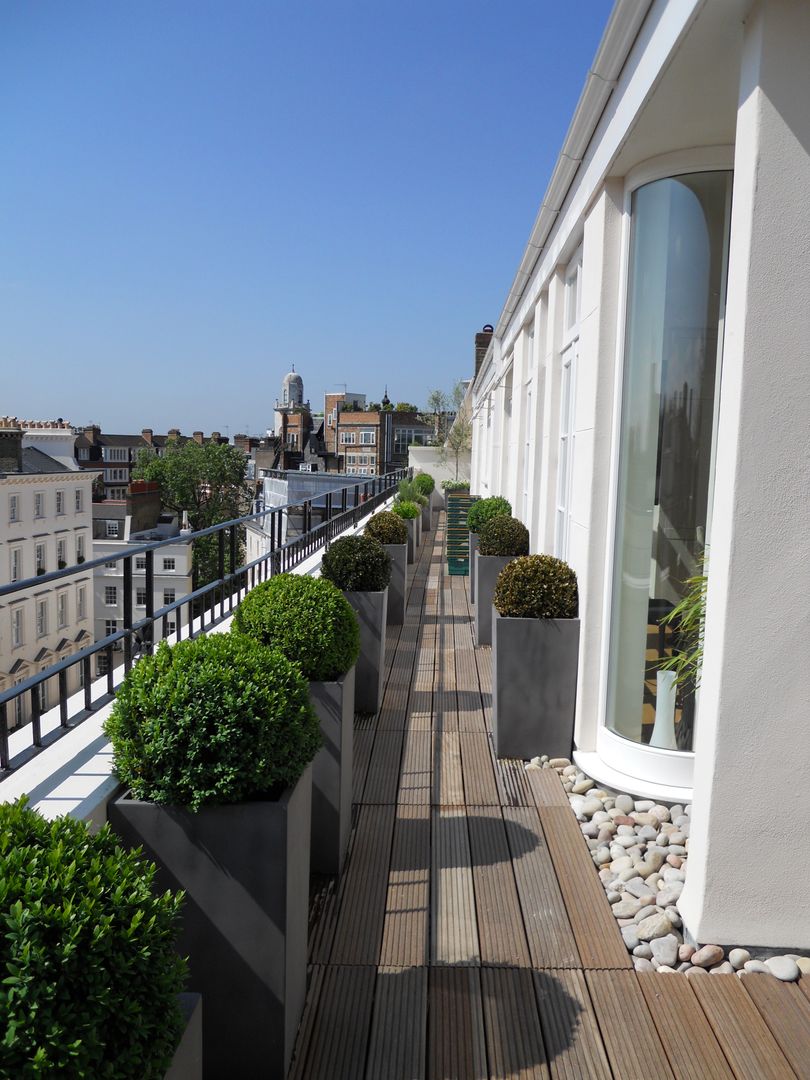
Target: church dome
{"points": [[292, 389]]}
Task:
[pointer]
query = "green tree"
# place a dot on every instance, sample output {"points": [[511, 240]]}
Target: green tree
{"points": [[437, 403], [459, 437], [209, 483], [405, 406]]}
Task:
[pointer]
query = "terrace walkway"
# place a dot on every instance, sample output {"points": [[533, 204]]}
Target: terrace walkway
{"points": [[469, 936]]}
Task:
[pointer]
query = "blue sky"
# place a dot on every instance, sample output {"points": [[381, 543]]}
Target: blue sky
{"points": [[195, 195]]}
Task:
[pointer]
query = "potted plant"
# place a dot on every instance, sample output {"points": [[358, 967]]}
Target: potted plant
{"points": [[410, 512], [89, 971], [212, 739], [425, 485], [311, 623], [535, 651], [483, 510], [500, 540], [391, 531], [360, 567]]}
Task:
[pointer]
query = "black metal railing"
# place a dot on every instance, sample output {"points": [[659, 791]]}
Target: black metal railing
{"points": [[319, 520]]}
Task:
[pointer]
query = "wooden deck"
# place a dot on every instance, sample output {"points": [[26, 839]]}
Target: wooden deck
{"points": [[469, 936]]}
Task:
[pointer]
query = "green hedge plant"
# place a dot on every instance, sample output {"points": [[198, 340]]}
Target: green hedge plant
{"points": [[89, 975], [537, 587], [425, 484], [357, 564], [406, 510], [218, 719], [307, 619], [455, 485], [503, 536], [485, 509], [387, 528]]}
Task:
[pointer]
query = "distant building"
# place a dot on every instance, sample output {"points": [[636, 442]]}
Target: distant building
{"points": [[45, 525], [369, 442], [119, 524]]}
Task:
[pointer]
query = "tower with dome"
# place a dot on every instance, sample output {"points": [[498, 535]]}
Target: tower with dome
{"points": [[292, 417]]}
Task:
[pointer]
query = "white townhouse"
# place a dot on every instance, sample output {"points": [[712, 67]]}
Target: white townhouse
{"points": [[645, 401], [45, 525]]}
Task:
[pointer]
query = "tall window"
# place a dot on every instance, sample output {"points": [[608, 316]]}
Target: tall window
{"points": [[169, 596], [78, 500], [61, 554], [61, 610], [110, 595], [60, 502], [39, 504], [110, 627], [14, 508], [42, 618], [676, 295], [80, 548], [16, 563], [39, 553], [17, 627], [81, 603], [140, 597]]}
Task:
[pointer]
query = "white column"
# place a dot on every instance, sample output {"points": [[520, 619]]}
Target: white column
{"points": [[551, 412], [748, 877]]}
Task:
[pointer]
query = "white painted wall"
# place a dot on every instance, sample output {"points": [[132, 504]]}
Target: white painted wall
{"points": [[748, 877]]}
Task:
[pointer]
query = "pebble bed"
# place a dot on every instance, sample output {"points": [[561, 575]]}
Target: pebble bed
{"points": [[641, 851]]}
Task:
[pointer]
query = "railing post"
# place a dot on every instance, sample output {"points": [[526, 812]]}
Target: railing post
{"points": [[63, 715], [220, 575], [233, 550], [35, 716], [148, 630], [4, 758], [128, 613]]}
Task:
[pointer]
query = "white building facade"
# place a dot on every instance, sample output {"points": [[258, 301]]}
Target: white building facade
{"points": [[645, 404], [45, 525]]}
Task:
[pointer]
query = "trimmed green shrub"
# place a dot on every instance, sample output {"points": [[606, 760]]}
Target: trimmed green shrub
{"points": [[308, 619], [455, 485], [406, 510], [537, 587], [357, 564], [89, 975], [425, 483], [218, 719], [485, 509], [387, 528], [503, 536], [408, 491]]}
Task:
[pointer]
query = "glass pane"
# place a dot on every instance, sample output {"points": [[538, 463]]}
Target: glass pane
{"points": [[675, 304]]}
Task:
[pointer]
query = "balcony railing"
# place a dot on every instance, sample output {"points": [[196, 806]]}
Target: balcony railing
{"points": [[322, 518]]}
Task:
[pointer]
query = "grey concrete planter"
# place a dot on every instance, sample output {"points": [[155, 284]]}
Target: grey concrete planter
{"points": [[473, 551], [427, 525], [413, 539], [398, 585], [371, 609], [534, 686], [485, 572], [187, 1063], [418, 522], [332, 773], [245, 871]]}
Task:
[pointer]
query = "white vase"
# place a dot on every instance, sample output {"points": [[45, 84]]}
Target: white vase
{"points": [[663, 735]]}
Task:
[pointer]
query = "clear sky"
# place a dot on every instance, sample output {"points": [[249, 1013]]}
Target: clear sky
{"points": [[195, 195]]}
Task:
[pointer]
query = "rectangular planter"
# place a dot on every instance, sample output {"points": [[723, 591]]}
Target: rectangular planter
{"points": [[534, 686], [426, 522], [332, 773], [485, 573], [473, 542], [413, 539], [187, 1061], [245, 871], [371, 610], [418, 522], [398, 585]]}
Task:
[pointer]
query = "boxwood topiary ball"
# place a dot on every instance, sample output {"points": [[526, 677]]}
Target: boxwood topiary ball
{"points": [[406, 509], [357, 564], [89, 972], [424, 483], [503, 536], [308, 619], [537, 587], [486, 509], [218, 719], [387, 528]]}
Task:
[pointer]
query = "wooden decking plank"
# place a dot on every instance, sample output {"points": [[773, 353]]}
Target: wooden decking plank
{"points": [[478, 767], [471, 712], [513, 784], [417, 769], [394, 708], [514, 1037], [382, 781], [596, 932], [548, 930], [323, 920], [363, 744], [675, 1010], [752, 1051], [786, 1011], [399, 1025], [501, 934], [546, 788], [573, 1044], [628, 1032], [303, 1042], [456, 1040], [364, 888], [445, 711], [407, 905], [338, 1042], [454, 934], [448, 781]]}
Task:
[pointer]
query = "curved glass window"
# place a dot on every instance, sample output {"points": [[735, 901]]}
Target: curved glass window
{"points": [[676, 297]]}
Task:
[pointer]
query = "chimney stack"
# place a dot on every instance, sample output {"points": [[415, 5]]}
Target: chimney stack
{"points": [[482, 340], [146, 435], [11, 437], [197, 436]]}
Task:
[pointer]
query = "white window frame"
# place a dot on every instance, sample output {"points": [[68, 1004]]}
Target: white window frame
{"points": [[141, 593], [78, 500], [368, 438], [40, 561], [61, 610], [169, 565], [348, 438], [15, 564], [81, 603], [42, 618], [169, 596], [17, 628], [80, 547], [13, 508], [39, 504], [61, 551], [112, 529], [111, 596], [60, 502]]}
